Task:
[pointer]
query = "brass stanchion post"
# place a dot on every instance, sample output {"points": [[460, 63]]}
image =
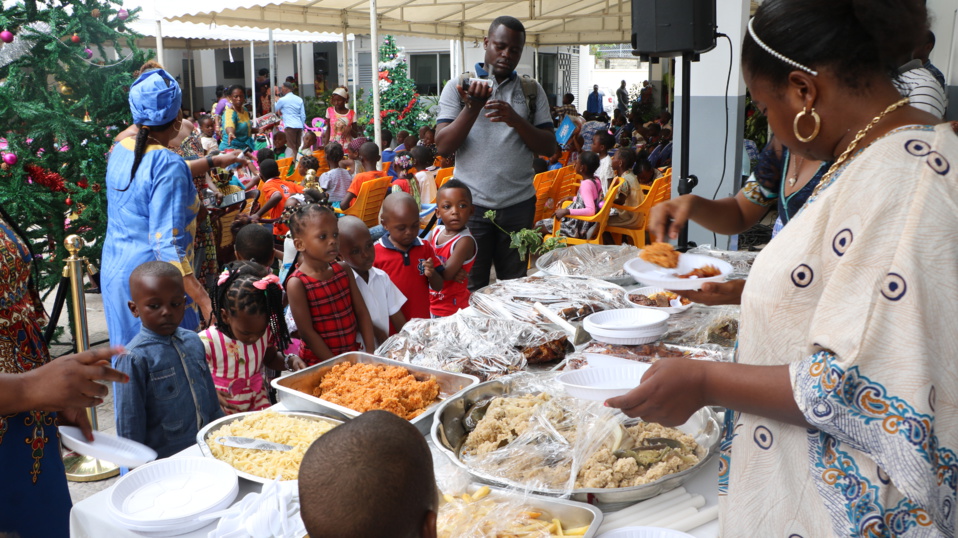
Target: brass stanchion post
{"points": [[82, 468]]}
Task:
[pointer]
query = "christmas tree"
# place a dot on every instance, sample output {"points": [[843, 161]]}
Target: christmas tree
{"points": [[400, 106], [65, 71]]}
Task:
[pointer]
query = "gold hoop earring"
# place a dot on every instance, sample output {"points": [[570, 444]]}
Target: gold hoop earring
{"points": [[818, 125]]}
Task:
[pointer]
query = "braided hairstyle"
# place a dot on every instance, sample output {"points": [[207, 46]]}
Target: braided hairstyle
{"points": [[139, 150], [237, 293], [297, 220]]}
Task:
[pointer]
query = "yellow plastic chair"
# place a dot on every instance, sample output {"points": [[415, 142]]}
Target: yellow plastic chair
{"points": [[283, 165], [366, 206], [661, 191], [601, 218], [443, 175], [544, 184]]}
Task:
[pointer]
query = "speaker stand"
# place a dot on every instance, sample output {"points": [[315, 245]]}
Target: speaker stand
{"points": [[687, 182]]}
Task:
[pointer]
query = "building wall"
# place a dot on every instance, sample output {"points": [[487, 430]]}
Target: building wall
{"points": [[944, 23]]}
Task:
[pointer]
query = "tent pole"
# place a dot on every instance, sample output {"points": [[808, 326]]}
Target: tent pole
{"points": [[189, 67], [159, 42], [252, 74], [272, 71], [345, 54], [355, 91], [377, 121]]}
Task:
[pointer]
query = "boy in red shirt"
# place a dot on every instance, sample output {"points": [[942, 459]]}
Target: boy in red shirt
{"points": [[369, 152], [274, 193], [410, 262]]}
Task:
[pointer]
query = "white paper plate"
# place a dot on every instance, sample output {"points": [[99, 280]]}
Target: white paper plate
{"points": [[654, 275], [628, 319], [644, 532], [106, 447], [600, 384], [173, 490], [652, 291]]}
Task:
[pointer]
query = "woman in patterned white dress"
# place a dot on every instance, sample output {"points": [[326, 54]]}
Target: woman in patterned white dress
{"points": [[845, 394]]}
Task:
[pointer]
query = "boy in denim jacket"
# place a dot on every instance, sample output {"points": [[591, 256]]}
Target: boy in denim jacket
{"points": [[170, 395]]}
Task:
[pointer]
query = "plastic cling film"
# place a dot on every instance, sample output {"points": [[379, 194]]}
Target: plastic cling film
{"points": [[741, 260], [605, 262], [484, 347], [572, 298], [700, 325]]}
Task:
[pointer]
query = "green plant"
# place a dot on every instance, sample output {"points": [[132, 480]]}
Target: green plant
{"points": [[527, 241]]}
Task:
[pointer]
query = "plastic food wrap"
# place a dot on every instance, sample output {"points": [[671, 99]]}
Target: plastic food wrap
{"points": [[741, 260], [484, 347], [704, 325], [540, 439], [573, 298], [484, 512], [650, 353], [599, 261]]}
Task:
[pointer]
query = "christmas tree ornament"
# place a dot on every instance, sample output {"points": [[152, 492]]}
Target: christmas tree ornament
{"points": [[96, 188], [83, 183], [95, 13], [122, 14], [88, 53], [68, 201], [6, 36], [10, 158], [75, 38], [86, 117]]}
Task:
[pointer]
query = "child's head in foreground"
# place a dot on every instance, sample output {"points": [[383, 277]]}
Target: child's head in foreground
{"points": [[400, 217], [157, 296], [356, 245], [254, 243], [422, 157], [334, 154], [268, 170], [371, 477], [207, 126], [307, 163], [369, 153], [454, 205]]}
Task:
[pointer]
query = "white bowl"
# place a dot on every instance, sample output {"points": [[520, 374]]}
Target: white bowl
{"points": [[628, 319], [628, 341], [655, 275], [173, 491], [601, 360], [647, 291], [106, 447], [644, 532], [600, 384]]}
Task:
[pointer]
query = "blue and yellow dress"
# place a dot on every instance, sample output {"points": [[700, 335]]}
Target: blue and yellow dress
{"points": [[34, 499], [151, 217], [242, 131]]}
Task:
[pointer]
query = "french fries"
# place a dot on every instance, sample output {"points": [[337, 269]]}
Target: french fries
{"points": [[478, 515]]}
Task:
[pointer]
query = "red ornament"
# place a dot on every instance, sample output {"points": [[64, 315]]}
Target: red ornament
{"points": [[69, 201], [75, 38], [82, 184], [48, 179]]}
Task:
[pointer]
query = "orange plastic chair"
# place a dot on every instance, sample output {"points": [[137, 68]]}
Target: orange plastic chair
{"points": [[601, 218], [370, 201], [387, 166], [283, 165], [661, 191], [443, 175], [566, 183], [565, 157], [437, 162], [544, 184]]}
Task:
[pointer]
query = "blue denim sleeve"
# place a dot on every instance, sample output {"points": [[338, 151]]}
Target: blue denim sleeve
{"points": [[130, 398]]}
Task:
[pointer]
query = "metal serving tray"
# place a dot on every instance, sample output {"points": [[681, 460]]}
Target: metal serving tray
{"points": [[295, 390], [204, 436], [572, 514], [448, 434]]}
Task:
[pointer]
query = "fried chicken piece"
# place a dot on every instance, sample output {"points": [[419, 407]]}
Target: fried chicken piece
{"points": [[702, 272], [661, 254]]}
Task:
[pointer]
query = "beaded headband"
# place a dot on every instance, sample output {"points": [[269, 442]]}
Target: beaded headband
{"points": [[773, 52]]}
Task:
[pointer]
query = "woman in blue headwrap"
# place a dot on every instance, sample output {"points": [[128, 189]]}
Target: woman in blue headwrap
{"points": [[151, 206]]}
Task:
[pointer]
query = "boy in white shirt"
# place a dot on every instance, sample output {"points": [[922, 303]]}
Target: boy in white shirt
{"points": [[382, 297], [426, 175]]}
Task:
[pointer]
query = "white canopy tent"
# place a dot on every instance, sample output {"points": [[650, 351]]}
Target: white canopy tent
{"points": [[547, 22]]}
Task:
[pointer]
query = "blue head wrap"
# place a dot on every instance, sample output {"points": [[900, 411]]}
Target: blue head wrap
{"points": [[155, 98]]}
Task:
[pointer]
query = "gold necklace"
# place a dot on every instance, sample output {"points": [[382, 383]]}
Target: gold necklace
{"points": [[794, 177], [827, 178]]}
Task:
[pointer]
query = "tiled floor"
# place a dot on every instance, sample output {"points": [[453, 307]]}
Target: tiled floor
{"points": [[98, 333]]}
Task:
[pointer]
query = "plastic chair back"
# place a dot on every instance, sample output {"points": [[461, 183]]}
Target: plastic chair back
{"points": [[443, 175], [601, 218], [544, 184], [370, 200], [566, 183], [661, 191]]}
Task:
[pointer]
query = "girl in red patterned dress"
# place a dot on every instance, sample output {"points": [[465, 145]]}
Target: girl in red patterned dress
{"points": [[323, 298], [454, 245], [249, 331]]}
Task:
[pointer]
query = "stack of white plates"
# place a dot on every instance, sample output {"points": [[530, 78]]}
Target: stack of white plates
{"points": [[171, 497], [627, 326], [599, 384]]}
